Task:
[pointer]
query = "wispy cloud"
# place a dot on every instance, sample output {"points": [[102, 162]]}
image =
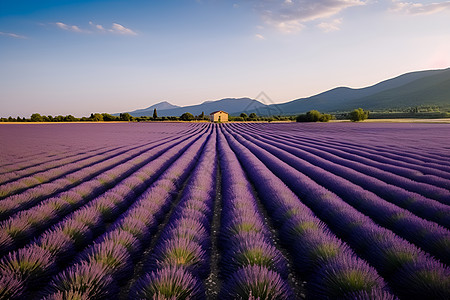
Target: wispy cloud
{"points": [[73, 28], [334, 25], [290, 16], [115, 28], [13, 35], [259, 36], [419, 8]]}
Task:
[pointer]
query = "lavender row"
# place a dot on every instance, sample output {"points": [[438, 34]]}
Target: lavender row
{"points": [[108, 263], [38, 171], [47, 142], [417, 204], [180, 260], [439, 193], [412, 172], [34, 159], [77, 230], [33, 196], [397, 166], [429, 236], [251, 265], [410, 271], [329, 265], [377, 141], [66, 171], [40, 163], [17, 230]]}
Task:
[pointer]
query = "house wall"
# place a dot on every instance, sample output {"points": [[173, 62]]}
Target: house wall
{"points": [[215, 117]]}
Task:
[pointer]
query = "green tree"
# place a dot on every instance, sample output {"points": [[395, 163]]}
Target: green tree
{"points": [[70, 118], [358, 115], [58, 118], [125, 117], [36, 118], [313, 116], [243, 116], [96, 117], [108, 117], [252, 116], [187, 117], [155, 114]]}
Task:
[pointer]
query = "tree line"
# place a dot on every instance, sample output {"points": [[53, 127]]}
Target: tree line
{"points": [[356, 115], [311, 116]]}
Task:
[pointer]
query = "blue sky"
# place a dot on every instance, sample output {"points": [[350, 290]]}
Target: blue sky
{"points": [[77, 57]]}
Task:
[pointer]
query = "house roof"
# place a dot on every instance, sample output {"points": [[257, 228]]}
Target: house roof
{"points": [[215, 112]]}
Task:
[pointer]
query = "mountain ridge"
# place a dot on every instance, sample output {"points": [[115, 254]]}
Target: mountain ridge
{"points": [[427, 87]]}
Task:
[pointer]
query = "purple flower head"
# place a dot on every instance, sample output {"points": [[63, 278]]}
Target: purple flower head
{"points": [[38, 217], [60, 206], [179, 232], [298, 226], [18, 229], [390, 257], [251, 252], [67, 295], [90, 279], [114, 257], [58, 243], [198, 193], [193, 214], [256, 282], [190, 223], [169, 283], [11, 286], [142, 214], [80, 233], [90, 217], [166, 184], [243, 224], [197, 205], [70, 197], [316, 248], [344, 275], [107, 208], [424, 279], [6, 242], [136, 227], [123, 238], [133, 182], [374, 294], [31, 264], [180, 252]]}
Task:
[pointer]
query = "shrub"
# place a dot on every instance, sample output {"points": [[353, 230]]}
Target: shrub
{"points": [[358, 115], [314, 116], [187, 117]]}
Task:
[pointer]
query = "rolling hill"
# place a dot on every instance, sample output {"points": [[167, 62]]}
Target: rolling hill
{"points": [[422, 88], [230, 105]]}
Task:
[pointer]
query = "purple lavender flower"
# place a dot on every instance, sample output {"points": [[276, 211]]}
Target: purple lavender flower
{"points": [[58, 243], [344, 275], [423, 279], [180, 252], [168, 283], [89, 279], [11, 285], [32, 264], [256, 282]]}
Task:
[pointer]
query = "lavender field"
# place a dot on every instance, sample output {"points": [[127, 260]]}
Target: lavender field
{"points": [[225, 211]]}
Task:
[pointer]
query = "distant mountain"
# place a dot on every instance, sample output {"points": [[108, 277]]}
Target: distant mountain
{"points": [[408, 90], [411, 89], [149, 110], [230, 105]]}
